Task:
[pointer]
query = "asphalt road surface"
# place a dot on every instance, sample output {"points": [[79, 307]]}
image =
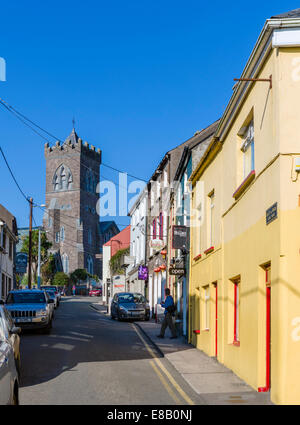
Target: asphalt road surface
{"points": [[91, 359]]}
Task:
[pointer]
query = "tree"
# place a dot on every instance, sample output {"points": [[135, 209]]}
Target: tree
{"points": [[48, 269], [79, 274], [61, 279], [45, 246]]}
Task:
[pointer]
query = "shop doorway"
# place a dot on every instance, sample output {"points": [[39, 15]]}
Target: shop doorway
{"points": [[268, 331]]}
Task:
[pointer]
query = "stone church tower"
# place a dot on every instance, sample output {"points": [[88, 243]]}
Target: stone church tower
{"points": [[71, 219]]}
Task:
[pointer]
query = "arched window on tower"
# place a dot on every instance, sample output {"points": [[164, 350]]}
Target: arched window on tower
{"points": [[65, 263], [62, 179], [90, 265], [90, 182]]}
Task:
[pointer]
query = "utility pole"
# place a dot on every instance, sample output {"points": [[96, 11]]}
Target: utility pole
{"points": [[30, 243], [39, 261]]}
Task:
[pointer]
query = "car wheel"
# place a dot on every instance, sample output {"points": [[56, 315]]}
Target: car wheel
{"points": [[118, 316], [47, 330], [15, 395], [18, 366]]}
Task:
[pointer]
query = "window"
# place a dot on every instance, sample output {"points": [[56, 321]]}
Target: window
{"points": [[90, 239], [154, 228], [236, 305], [4, 239], [248, 150], [90, 265], [65, 262], [210, 227], [161, 226], [62, 234], [10, 248], [62, 179], [90, 182], [206, 307], [57, 237]]}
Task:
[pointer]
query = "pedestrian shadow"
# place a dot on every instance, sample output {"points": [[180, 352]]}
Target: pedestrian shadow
{"points": [[79, 335]]}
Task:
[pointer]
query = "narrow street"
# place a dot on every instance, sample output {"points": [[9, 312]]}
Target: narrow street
{"points": [[90, 359]]}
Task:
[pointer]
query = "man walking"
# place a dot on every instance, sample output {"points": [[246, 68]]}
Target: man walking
{"points": [[169, 307]]}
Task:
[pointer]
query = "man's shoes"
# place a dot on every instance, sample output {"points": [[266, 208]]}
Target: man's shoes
{"points": [[173, 337], [160, 336]]}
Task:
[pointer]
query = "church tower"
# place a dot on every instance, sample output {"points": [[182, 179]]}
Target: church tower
{"points": [[71, 219]]}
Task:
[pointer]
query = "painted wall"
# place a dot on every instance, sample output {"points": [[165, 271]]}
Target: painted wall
{"points": [[244, 243]]}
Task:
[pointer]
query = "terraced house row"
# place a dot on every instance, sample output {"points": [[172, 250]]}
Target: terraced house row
{"points": [[237, 190]]}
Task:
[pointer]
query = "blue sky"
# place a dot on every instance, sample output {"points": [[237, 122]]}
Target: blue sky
{"points": [[140, 77]]}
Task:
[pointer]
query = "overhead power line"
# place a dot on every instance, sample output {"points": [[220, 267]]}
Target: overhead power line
{"points": [[25, 120], [13, 176]]}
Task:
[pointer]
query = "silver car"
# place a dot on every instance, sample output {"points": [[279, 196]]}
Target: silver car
{"points": [[31, 309], [9, 382]]}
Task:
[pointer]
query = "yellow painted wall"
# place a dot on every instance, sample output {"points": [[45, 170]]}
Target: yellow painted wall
{"points": [[244, 243]]}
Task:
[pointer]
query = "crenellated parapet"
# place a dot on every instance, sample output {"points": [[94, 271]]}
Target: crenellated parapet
{"points": [[72, 145]]}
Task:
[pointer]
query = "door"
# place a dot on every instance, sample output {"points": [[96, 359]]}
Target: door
{"points": [[5, 360], [216, 319], [268, 332]]}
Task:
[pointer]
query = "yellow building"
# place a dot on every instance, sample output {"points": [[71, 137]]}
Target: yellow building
{"points": [[245, 234]]}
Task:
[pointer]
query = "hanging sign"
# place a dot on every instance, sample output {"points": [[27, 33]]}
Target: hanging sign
{"points": [[179, 237]]}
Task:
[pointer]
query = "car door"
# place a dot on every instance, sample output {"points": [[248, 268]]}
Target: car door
{"points": [[5, 361], [13, 337], [115, 304]]}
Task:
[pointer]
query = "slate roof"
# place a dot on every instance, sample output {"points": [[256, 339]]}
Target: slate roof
{"points": [[291, 14]]}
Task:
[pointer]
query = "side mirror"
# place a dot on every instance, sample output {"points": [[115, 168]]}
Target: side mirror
{"points": [[15, 331], [51, 301]]}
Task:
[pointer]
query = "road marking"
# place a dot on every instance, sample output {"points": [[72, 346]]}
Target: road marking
{"points": [[164, 382], [161, 366]]}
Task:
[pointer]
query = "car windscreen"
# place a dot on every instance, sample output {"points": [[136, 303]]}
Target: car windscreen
{"points": [[138, 298], [51, 293], [126, 298], [26, 298], [53, 288]]}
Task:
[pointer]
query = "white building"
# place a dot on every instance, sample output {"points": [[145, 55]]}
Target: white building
{"points": [[138, 226], [8, 240]]}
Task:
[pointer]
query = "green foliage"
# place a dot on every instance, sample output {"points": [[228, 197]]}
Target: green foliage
{"points": [[48, 269], [78, 274], [61, 279], [115, 261], [45, 246]]}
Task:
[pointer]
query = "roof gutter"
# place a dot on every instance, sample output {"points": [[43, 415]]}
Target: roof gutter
{"points": [[255, 62]]}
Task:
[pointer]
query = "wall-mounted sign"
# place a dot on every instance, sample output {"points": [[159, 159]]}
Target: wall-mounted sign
{"points": [[157, 244], [21, 263], [272, 213], [179, 237], [176, 271], [143, 273]]}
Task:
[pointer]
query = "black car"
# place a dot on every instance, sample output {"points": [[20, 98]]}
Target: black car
{"points": [[129, 305]]}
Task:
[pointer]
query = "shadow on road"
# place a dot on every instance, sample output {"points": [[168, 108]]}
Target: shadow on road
{"points": [[79, 335]]}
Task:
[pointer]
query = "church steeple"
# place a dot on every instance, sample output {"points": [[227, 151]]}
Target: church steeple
{"points": [[73, 137]]}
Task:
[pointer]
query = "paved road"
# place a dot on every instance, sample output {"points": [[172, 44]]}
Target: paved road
{"points": [[90, 359]]}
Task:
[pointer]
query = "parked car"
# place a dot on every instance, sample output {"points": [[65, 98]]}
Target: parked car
{"points": [[128, 305], [54, 288], [12, 333], [9, 380], [51, 294], [95, 292], [30, 309]]}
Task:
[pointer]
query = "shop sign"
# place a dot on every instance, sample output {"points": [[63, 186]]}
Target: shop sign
{"points": [[272, 214], [143, 273], [157, 244], [179, 237], [176, 271]]}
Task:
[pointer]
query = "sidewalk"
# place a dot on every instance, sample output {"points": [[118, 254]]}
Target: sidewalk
{"points": [[214, 382]]}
